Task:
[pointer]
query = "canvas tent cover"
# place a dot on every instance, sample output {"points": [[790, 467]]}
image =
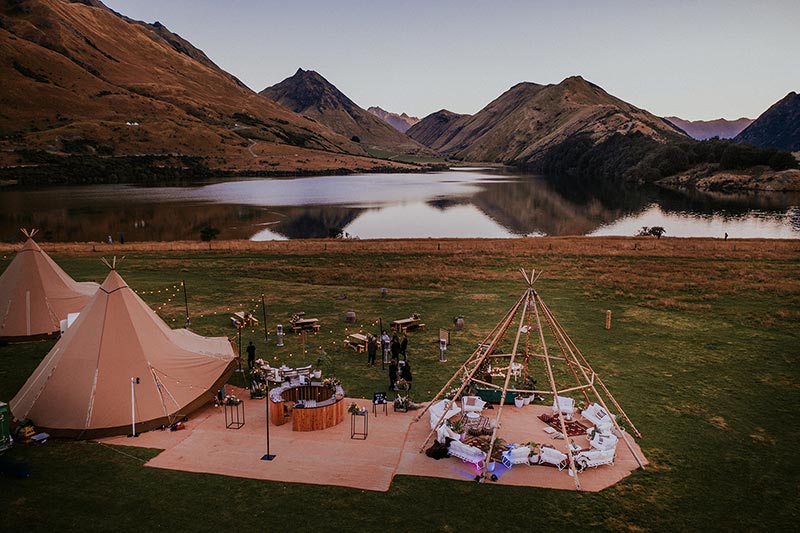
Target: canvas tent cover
{"points": [[82, 387], [36, 294]]}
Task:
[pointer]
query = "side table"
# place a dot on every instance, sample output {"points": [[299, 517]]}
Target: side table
{"points": [[234, 415], [359, 425]]}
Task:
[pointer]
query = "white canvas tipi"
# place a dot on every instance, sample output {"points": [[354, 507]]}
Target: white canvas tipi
{"points": [[119, 347], [36, 294]]}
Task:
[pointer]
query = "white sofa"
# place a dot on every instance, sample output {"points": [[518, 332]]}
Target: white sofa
{"points": [[440, 407], [567, 406], [594, 458], [467, 453], [598, 416], [472, 403], [552, 456], [603, 441], [517, 456]]}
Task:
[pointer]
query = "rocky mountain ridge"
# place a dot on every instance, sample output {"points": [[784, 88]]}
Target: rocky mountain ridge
{"points": [[309, 94]]}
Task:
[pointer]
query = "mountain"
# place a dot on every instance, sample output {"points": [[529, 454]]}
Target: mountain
{"points": [[437, 129], [82, 84], [311, 95], [399, 122], [778, 127], [707, 129], [529, 121]]}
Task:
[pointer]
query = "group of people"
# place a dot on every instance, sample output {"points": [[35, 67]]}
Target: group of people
{"points": [[393, 349], [394, 346]]}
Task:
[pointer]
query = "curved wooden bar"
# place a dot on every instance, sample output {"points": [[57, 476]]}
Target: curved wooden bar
{"points": [[316, 418], [323, 407]]}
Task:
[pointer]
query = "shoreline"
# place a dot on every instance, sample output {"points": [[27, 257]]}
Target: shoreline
{"points": [[523, 246]]}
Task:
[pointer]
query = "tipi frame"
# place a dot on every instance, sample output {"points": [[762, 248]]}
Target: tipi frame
{"points": [[536, 324]]}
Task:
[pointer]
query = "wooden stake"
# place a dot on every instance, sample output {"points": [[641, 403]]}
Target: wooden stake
{"points": [[608, 319]]}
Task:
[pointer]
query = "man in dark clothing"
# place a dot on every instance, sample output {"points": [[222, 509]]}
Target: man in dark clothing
{"points": [[395, 347], [404, 346], [251, 356], [372, 349], [392, 373], [405, 373]]}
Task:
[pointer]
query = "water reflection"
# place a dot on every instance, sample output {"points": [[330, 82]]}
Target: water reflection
{"points": [[467, 203]]}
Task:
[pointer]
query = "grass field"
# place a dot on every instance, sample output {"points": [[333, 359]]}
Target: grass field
{"points": [[702, 355]]}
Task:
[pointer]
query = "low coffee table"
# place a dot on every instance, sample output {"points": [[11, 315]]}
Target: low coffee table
{"points": [[475, 424]]}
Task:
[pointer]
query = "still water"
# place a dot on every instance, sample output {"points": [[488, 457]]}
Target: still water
{"points": [[458, 203]]}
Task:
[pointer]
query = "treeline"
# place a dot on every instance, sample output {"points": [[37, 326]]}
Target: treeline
{"points": [[42, 168], [639, 158]]}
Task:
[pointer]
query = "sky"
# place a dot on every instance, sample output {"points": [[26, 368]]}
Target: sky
{"points": [[698, 60]]}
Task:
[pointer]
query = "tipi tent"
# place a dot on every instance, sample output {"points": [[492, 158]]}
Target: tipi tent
{"points": [[36, 294], [120, 356], [529, 333]]}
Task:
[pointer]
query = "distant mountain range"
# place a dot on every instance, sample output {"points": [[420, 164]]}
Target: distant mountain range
{"points": [[80, 80], [522, 125], [778, 127], [399, 122], [708, 129], [311, 95], [90, 95]]}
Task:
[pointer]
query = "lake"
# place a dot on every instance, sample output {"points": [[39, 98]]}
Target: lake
{"points": [[458, 203]]}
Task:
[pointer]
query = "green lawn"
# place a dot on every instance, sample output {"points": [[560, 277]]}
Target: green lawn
{"points": [[703, 356]]}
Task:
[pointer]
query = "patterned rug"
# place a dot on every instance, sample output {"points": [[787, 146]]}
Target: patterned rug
{"points": [[574, 428], [476, 426]]}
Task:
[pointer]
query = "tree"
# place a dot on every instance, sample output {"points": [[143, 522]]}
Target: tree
{"points": [[207, 234], [655, 231]]}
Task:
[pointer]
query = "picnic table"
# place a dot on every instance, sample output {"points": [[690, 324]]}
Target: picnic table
{"points": [[307, 324], [404, 324], [241, 319], [356, 341]]}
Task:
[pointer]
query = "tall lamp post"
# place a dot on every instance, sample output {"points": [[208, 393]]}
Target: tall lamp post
{"points": [[239, 368]]}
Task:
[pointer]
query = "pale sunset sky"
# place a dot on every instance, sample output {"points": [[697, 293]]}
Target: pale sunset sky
{"points": [[698, 60]]}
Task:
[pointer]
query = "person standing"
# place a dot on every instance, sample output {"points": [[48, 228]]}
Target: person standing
{"points": [[385, 340], [372, 349], [251, 355], [392, 373], [405, 373], [404, 347], [395, 347]]}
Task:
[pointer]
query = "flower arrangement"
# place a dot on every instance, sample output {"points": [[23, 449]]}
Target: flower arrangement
{"points": [[331, 383], [401, 403], [258, 375], [230, 399], [354, 409]]}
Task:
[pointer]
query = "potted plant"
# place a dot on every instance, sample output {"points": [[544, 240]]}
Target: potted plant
{"points": [[457, 427], [519, 401]]}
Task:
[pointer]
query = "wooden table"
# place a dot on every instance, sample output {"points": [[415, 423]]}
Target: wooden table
{"points": [[356, 341], [404, 324], [245, 318], [308, 324]]}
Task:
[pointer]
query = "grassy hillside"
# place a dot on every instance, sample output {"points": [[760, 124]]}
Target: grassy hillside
{"points": [[702, 355]]}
